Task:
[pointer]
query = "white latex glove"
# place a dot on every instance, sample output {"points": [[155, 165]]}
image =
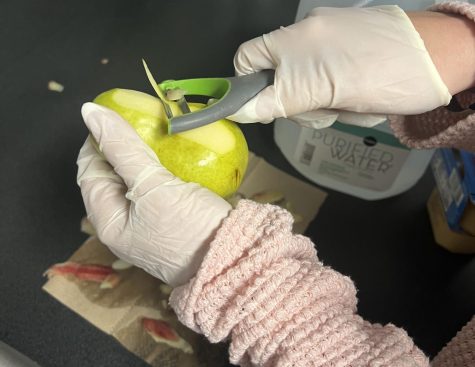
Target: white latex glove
{"points": [[143, 213], [354, 64]]}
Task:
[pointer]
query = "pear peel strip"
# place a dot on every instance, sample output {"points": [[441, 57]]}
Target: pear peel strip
{"points": [[152, 81], [157, 89]]}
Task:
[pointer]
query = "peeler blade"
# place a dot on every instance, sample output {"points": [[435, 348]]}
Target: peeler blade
{"points": [[183, 105]]}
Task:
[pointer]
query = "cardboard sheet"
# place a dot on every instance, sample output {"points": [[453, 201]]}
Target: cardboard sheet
{"points": [[302, 199]]}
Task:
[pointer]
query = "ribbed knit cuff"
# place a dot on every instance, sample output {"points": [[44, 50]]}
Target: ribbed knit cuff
{"points": [[252, 233], [264, 288], [460, 351], [456, 7]]}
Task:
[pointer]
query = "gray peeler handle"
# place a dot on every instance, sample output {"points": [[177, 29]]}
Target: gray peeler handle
{"points": [[241, 90]]}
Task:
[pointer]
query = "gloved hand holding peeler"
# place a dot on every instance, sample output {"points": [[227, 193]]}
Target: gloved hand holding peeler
{"points": [[356, 65]]}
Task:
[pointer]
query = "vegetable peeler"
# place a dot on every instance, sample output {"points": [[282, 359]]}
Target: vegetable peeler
{"points": [[231, 94]]}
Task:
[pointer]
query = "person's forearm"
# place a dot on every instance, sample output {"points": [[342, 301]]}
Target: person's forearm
{"points": [[265, 288], [450, 41]]}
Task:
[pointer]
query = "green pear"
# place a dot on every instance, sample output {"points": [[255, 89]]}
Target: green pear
{"points": [[215, 155]]}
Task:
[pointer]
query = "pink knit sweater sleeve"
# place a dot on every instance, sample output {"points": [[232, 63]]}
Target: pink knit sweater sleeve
{"points": [[442, 127], [263, 288], [460, 351]]}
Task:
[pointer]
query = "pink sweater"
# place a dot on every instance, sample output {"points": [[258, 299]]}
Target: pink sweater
{"points": [[262, 288]]}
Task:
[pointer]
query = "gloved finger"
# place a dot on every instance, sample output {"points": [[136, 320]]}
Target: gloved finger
{"points": [[92, 164], [264, 108], [318, 119], [253, 56], [103, 193], [106, 207], [361, 119], [132, 159]]}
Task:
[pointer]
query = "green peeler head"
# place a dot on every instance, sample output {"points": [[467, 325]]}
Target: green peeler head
{"points": [[208, 87], [216, 88]]}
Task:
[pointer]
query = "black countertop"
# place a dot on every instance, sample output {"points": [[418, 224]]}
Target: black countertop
{"points": [[385, 246]]}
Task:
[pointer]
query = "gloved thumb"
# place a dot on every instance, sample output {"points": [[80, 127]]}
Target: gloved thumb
{"points": [[323, 118], [262, 108], [361, 119], [132, 159]]}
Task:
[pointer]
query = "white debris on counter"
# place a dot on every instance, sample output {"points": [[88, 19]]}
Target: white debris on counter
{"points": [[55, 86], [87, 227], [120, 264], [166, 289]]}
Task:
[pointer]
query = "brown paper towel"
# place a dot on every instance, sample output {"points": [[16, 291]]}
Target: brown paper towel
{"points": [[302, 199]]}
